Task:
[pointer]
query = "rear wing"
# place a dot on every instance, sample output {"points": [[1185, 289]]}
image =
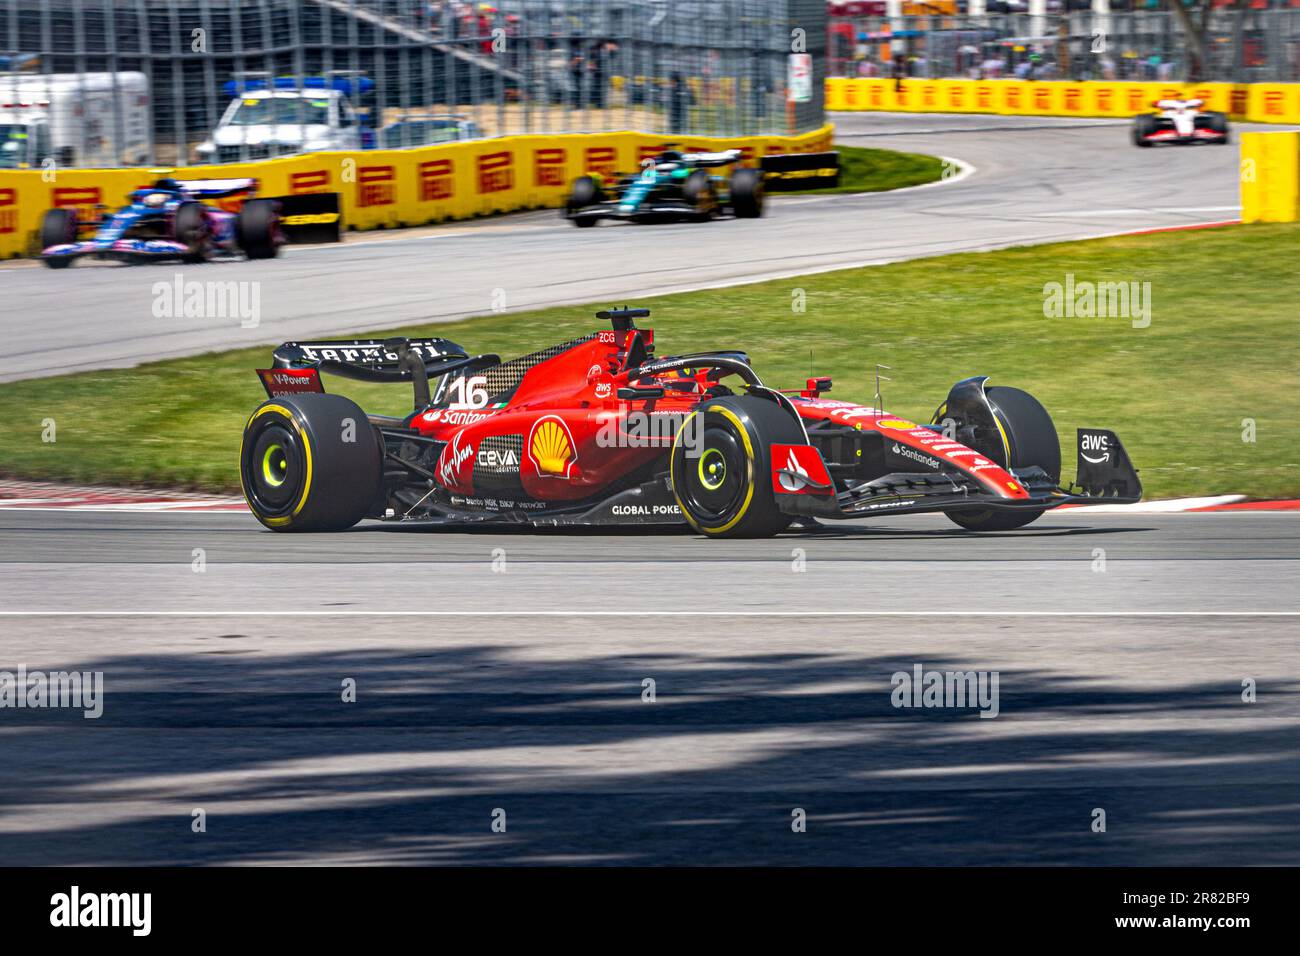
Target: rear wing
{"points": [[723, 158], [218, 188], [372, 360]]}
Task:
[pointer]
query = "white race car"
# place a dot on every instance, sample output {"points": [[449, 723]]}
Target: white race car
{"points": [[1179, 121]]}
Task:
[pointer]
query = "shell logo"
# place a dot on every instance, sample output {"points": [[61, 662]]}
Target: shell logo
{"points": [[550, 446], [898, 423]]}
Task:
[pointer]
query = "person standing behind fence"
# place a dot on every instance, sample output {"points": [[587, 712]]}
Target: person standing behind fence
{"points": [[577, 64], [603, 53]]}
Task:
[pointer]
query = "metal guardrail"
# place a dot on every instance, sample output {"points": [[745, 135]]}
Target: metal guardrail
{"points": [[1243, 46], [146, 81]]}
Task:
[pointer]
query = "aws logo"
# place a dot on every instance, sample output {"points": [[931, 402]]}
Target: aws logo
{"points": [[1099, 445], [550, 447]]}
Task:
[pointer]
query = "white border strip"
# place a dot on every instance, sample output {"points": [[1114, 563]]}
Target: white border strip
{"points": [[648, 613]]}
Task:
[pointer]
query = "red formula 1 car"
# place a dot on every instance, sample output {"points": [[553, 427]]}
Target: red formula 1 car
{"points": [[1179, 121], [599, 431]]}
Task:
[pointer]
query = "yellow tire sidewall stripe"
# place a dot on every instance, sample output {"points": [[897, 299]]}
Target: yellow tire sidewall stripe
{"points": [[306, 447], [749, 465]]}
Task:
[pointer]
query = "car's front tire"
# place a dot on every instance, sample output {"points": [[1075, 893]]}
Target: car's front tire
{"points": [[310, 463], [58, 227], [699, 193], [721, 468], [1031, 435]]}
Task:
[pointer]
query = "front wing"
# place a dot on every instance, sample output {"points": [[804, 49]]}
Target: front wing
{"points": [[132, 250], [802, 485], [663, 209]]}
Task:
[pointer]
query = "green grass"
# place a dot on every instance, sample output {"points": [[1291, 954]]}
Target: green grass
{"points": [[1221, 347], [876, 170]]}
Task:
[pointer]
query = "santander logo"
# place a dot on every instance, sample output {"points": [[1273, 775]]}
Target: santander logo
{"points": [[796, 481]]}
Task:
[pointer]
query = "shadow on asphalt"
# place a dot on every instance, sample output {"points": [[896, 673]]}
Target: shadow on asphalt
{"points": [[442, 737]]}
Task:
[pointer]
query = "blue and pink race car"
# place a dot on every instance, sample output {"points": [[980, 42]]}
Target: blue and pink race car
{"points": [[170, 220]]}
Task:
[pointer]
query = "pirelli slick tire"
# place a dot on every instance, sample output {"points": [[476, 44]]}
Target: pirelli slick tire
{"points": [[1031, 437], [586, 192], [257, 224], [699, 193], [721, 467], [191, 227], [310, 463], [1219, 124], [747, 193], [1144, 124], [58, 227]]}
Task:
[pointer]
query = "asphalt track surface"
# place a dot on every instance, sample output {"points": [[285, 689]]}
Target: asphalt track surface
{"points": [[1037, 180], [506, 670], [1121, 644]]}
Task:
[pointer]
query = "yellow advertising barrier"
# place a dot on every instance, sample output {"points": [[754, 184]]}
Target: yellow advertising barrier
{"points": [[382, 189], [1270, 177], [1255, 102]]}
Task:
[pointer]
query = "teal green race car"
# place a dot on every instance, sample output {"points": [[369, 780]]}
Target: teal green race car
{"points": [[672, 187]]}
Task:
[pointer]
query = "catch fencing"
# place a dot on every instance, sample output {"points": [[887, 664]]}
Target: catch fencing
{"points": [[126, 82], [1241, 46]]}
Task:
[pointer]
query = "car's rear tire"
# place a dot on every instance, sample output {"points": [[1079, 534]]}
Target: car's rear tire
{"points": [[726, 490], [1031, 435], [747, 193], [1144, 124], [586, 192], [310, 463], [256, 226], [699, 192], [191, 226]]}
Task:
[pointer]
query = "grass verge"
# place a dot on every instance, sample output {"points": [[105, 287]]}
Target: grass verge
{"points": [[865, 170], [1220, 352]]}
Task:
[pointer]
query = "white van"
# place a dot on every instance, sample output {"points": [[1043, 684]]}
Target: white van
{"points": [[75, 119], [287, 116]]}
